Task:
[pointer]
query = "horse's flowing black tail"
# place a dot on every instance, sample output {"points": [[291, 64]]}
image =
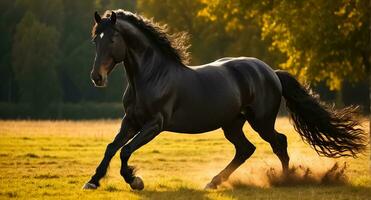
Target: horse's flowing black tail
{"points": [[332, 133]]}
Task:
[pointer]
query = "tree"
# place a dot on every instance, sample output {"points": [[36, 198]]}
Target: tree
{"points": [[180, 16], [9, 16], [322, 40], [34, 55], [209, 41]]}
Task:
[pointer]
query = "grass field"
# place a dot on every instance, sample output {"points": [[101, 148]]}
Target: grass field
{"points": [[53, 159]]}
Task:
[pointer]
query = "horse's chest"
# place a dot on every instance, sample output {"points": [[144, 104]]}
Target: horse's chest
{"points": [[146, 103], [139, 111]]}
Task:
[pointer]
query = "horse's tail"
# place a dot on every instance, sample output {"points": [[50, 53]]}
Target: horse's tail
{"points": [[332, 133]]}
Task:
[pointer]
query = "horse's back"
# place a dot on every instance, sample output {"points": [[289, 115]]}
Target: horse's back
{"points": [[251, 75]]}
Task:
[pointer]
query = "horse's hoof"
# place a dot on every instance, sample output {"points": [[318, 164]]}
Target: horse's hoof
{"points": [[89, 186], [211, 186], [137, 183]]}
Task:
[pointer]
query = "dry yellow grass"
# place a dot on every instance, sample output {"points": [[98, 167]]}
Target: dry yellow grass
{"points": [[53, 159]]}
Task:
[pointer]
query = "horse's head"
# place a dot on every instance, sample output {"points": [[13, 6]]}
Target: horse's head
{"points": [[109, 48]]}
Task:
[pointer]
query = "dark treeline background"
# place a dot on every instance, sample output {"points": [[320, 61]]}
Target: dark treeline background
{"points": [[46, 55]]}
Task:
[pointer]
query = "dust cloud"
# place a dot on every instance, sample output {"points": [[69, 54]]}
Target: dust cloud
{"points": [[297, 175]]}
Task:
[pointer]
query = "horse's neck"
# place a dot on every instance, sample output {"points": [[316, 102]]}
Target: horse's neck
{"points": [[144, 66], [144, 60]]}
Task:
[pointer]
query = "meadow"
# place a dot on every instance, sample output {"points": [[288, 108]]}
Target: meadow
{"points": [[53, 159]]}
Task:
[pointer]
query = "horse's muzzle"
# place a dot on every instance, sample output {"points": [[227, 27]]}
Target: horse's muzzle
{"points": [[98, 79]]}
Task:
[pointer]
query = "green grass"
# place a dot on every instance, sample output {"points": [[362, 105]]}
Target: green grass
{"points": [[53, 159]]}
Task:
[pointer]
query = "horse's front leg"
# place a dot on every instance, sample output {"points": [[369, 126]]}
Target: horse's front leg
{"points": [[148, 132], [127, 131]]}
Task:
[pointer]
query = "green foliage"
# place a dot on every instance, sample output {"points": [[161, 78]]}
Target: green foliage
{"points": [[35, 67], [182, 16], [322, 40], [50, 12], [53, 36], [8, 14], [209, 41]]}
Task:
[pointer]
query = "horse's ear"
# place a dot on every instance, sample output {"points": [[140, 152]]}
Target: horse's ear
{"points": [[97, 17], [113, 18]]}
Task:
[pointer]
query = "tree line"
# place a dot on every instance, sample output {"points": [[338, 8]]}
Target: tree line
{"points": [[46, 53]]}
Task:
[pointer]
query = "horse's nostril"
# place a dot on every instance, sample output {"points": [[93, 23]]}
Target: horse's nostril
{"points": [[97, 78]]}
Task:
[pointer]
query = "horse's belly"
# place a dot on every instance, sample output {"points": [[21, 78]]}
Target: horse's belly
{"points": [[201, 120]]}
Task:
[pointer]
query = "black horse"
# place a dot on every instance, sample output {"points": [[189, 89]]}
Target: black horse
{"points": [[164, 94]]}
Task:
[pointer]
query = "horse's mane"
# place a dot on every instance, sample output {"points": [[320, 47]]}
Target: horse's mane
{"points": [[175, 45]]}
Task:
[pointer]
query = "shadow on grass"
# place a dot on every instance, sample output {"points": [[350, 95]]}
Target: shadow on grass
{"points": [[254, 192], [300, 183], [300, 192], [178, 193]]}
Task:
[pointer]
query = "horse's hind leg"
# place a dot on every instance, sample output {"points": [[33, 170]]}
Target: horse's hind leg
{"points": [[278, 141], [244, 149], [280, 149]]}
